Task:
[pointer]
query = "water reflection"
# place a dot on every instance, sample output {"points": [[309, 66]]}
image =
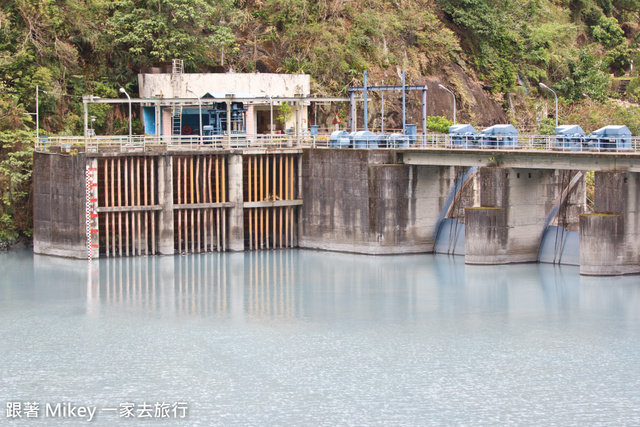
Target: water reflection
{"points": [[230, 285], [329, 286], [311, 338]]}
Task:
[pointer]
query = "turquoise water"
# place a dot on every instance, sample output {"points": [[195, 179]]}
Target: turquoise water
{"points": [[314, 338]]}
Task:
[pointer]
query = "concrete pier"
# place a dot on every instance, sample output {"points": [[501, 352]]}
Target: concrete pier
{"points": [[59, 219], [165, 199], [236, 216], [610, 237], [514, 211]]}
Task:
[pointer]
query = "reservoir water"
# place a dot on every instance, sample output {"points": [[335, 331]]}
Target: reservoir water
{"points": [[313, 338]]}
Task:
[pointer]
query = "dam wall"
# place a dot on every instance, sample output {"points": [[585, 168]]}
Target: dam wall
{"points": [[159, 202], [366, 201]]}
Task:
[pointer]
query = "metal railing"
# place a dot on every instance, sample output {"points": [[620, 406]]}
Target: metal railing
{"points": [[125, 143], [549, 143]]}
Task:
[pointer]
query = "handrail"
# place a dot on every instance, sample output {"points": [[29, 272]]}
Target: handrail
{"points": [[124, 143]]}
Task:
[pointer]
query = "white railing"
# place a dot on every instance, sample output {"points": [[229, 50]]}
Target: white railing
{"points": [[124, 143], [420, 142], [552, 143]]}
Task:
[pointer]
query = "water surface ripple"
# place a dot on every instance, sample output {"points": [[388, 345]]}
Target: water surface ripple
{"points": [[313, 338]]}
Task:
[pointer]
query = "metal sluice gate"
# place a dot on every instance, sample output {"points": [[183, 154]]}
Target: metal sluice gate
{"points": [[270, 203], [127, 205], [130, 206], [199, 203]]}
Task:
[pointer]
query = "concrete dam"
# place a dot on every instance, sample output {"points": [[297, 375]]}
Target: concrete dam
{"points": [[492, 206]]}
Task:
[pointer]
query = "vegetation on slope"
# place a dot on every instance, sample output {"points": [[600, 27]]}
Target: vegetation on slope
{"points": [[69, 48]]}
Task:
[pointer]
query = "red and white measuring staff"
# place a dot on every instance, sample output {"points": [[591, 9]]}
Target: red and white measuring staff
{"points": [[91, 205]]}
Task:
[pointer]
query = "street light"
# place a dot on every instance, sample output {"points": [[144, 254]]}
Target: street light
{"points": [[544, 86], [125, 92], [271, 106], [199, 111], [454, 102]]}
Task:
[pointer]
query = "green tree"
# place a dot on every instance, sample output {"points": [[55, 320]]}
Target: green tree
{"points": [[150, 32], [16, 166], [439, 124], [608, 32], [587, 75], [284, 113]]}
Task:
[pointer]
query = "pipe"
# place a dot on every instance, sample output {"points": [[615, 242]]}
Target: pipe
{"points": [[404, 119], [424, 116], [366, 121], [382, 111], [352, 105]]}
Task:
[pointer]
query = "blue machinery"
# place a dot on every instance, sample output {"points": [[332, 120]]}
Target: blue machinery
{"points": [[218, 120], [493, 136], [610, 137], [566, 137]]}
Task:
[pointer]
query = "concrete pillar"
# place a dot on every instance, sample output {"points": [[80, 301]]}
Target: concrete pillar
{"points": [[166, 124], [610, 237], [236, 213], [512, 217], [165, 199], [486, 235], [59, 208], [601, 243]]}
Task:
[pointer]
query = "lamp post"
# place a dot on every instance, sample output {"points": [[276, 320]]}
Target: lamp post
{"points": [[199, 111], [454, 102], [125, 92], [271, 112], [37, 116], [544, 86]]}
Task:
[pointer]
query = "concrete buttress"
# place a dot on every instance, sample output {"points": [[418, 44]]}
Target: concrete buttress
{"points": [[610, 237]]}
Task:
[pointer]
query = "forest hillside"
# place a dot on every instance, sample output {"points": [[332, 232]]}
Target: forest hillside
{"points": [[491, 53]]}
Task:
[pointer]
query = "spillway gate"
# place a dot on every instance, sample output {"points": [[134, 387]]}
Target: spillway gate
{"points": [[201, 202]]}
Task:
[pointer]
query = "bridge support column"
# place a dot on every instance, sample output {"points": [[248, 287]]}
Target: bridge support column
{"points": [[610, 237], [513, 214]]}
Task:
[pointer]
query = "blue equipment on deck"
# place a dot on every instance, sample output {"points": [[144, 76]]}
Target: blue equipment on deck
{"points": [[498, 136], [462, 135], [398, 140], [364, 139], [411, 131], [569, 136], [340, 139], [610, 138]]}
